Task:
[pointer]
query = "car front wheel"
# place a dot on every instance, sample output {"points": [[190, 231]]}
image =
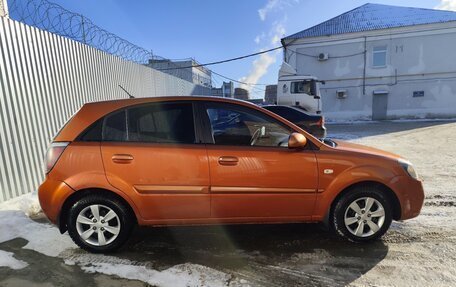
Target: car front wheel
{"points": [[99, 224], [363, 214]]}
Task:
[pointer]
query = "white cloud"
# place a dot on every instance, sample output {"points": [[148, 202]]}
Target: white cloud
{"points": [[270, 39], [259, 69], [447, 5], [267, 8], [274, 5], [261, 65], [278, 32], [259, 38]]}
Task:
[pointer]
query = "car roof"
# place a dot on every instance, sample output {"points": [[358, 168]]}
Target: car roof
{"points": [[91, 112]]}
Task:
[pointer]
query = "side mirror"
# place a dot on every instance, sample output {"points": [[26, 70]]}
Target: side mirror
{"points": [[297, 140]]}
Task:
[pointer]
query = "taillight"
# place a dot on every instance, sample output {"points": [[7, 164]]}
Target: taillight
{"points": [[53, 154]]}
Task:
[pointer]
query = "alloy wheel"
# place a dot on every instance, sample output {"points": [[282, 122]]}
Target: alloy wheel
{"points": [[364, 217], [98, 225]]}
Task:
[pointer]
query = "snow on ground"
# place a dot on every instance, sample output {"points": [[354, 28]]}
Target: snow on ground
{"points": [[191, 275], [7, 260], [27, 203], [15, 222]]}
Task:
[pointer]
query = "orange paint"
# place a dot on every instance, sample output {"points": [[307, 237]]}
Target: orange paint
{"points": [[204, 183]]}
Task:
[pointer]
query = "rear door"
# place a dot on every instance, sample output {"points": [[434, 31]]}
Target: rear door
{"points": [[152, 152]]}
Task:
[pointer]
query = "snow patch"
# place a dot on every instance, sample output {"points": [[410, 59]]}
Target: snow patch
{"points": [[179, 275], [7, 260], [28, 203], [43, 238]]}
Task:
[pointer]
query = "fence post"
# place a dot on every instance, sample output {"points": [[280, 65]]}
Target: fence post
{"points": [[83, 30], [3, 8]]}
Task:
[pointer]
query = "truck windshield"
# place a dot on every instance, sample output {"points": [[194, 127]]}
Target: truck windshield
{"points": [[302, 87]]}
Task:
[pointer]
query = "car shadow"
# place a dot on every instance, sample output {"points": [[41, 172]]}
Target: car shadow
{"points": [[264, 255]]}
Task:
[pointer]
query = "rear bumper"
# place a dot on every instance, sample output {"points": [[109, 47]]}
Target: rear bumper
{"points": [[51, 195], [410, 193]]}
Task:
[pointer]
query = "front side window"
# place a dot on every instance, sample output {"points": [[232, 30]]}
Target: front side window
{"points": [[301, 87], [162, 123], [232, 125], [379, 56]]}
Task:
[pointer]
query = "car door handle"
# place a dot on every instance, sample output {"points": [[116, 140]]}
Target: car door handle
{"points": [[122, 158], [228, 160]]}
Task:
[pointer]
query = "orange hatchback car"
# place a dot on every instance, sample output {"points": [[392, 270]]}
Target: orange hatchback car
{"points": [[200, 160]]}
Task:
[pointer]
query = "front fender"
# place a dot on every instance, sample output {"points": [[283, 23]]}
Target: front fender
{"points": [[333, 185]]}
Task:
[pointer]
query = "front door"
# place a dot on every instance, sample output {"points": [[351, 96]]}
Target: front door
{"points": [[150, 151], [253, 173]]}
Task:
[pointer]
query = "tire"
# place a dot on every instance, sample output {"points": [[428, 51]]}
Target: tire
{"points": [[351, 220], [89, 229]]}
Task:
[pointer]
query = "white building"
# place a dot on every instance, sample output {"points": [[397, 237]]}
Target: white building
{"points": [[188, 70], [381, 62]]}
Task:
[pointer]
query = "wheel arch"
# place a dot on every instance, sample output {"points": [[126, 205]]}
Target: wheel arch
{"points": [[392, 197], [74, 197]]}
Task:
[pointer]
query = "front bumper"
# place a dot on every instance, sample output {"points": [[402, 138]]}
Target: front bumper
{"points": [[410, 193], [52, 194]]}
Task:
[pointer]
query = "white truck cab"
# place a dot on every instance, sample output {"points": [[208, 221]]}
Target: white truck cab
{"points": [[298, 90]]}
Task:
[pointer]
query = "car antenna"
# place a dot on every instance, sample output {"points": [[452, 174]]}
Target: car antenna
{"points": [[131, 97]]}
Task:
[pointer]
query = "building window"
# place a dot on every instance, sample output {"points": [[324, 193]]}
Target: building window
{"points": [[379, 56]]}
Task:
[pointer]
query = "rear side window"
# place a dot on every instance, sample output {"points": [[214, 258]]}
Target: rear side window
{"points": [[157, 123], [114, 127], [93, 133], [162, 123]]}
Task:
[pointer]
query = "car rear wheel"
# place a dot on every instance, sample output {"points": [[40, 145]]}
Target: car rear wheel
{"points": [[99, 224], [362, 214]]}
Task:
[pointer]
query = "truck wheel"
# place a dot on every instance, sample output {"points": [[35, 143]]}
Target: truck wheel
{"points": [[99, 223], [363, 214]]}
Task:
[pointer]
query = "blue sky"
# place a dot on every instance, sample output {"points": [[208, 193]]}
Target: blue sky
{"points": [[211, 30]]}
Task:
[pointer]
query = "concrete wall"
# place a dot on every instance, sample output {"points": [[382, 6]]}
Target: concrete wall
{"points": [[419, 58], [44, 79]]}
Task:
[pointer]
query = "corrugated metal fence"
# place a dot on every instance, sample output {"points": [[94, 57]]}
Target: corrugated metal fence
{"points": [[46, 78]]}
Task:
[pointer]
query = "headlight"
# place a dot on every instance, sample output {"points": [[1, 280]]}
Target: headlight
{"points": [[408, 167]]}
